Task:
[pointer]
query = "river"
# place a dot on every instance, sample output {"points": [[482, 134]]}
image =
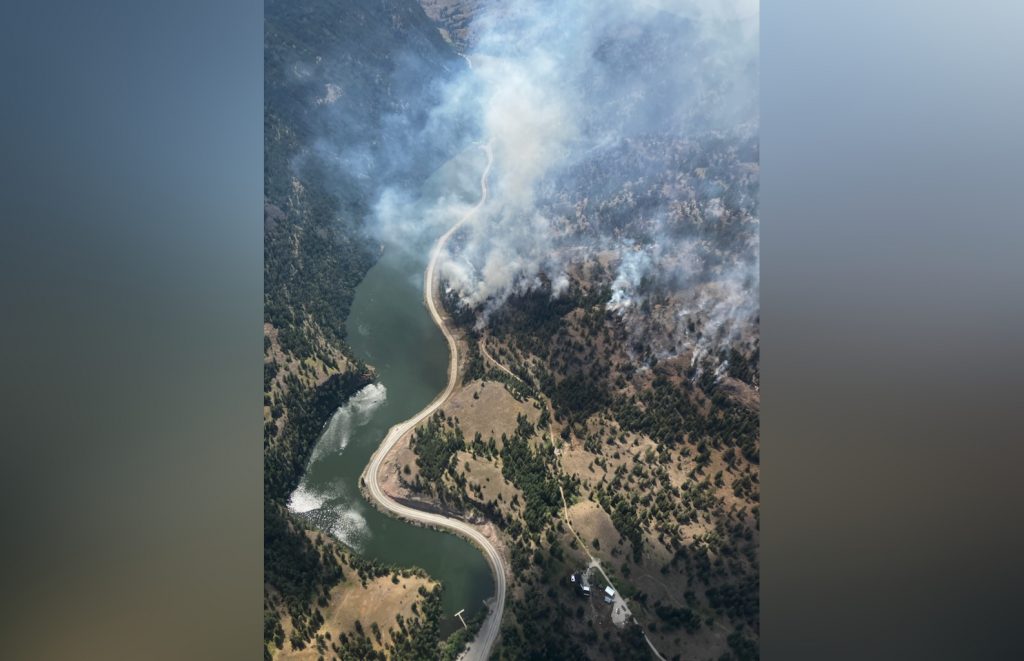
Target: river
{"points": [[390, 328]]}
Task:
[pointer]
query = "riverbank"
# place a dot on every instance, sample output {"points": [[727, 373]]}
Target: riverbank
{"points": [[481, 646]]}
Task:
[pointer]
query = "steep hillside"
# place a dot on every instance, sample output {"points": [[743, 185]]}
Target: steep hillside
{"points": [[338, 76], [455, 18], [613, 417], [605, 426], [579, 454]]}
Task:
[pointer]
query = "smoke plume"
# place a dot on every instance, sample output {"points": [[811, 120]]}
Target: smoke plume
{"points": [[626, 127]]}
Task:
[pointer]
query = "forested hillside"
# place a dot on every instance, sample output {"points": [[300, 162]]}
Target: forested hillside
{"points": [[631, 393], [607, 415], [338, 75], [657, 463], [653, 381]]}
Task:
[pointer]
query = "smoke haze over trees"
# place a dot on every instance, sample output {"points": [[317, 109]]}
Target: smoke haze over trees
{"points": [[620, 231], [626, 130]]}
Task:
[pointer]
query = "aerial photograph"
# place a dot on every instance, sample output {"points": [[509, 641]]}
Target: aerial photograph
{"points": [[511, 382]]}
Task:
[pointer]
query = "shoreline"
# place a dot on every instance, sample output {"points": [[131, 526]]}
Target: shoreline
{"points": [[369, 481]]}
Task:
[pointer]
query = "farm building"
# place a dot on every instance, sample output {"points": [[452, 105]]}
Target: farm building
{"points": [[583, 581]]}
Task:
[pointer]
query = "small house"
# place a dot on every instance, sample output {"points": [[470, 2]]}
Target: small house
{"points": [[584, 583]]}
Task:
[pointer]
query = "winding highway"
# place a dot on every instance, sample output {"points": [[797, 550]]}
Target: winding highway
{"points": [[480, 648]]}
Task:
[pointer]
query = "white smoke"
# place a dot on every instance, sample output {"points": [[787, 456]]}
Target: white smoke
{"points": [[633, 267], [554, 88]]}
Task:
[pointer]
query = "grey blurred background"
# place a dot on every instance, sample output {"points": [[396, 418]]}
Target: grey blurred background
{"points": [[132, 302], [131, 333], [892, 314]]}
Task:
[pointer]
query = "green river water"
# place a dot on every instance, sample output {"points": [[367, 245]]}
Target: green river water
{"points": [[390, 328]]}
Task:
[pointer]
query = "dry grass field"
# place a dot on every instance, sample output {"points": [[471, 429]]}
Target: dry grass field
{"points": [[488, 408], [377, 602]]}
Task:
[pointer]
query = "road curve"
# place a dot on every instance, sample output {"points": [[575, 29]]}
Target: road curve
{"points": [[480, 647], [494, 361]]}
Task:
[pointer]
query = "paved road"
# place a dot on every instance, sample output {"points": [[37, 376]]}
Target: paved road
{"points": [[480, 648]]}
